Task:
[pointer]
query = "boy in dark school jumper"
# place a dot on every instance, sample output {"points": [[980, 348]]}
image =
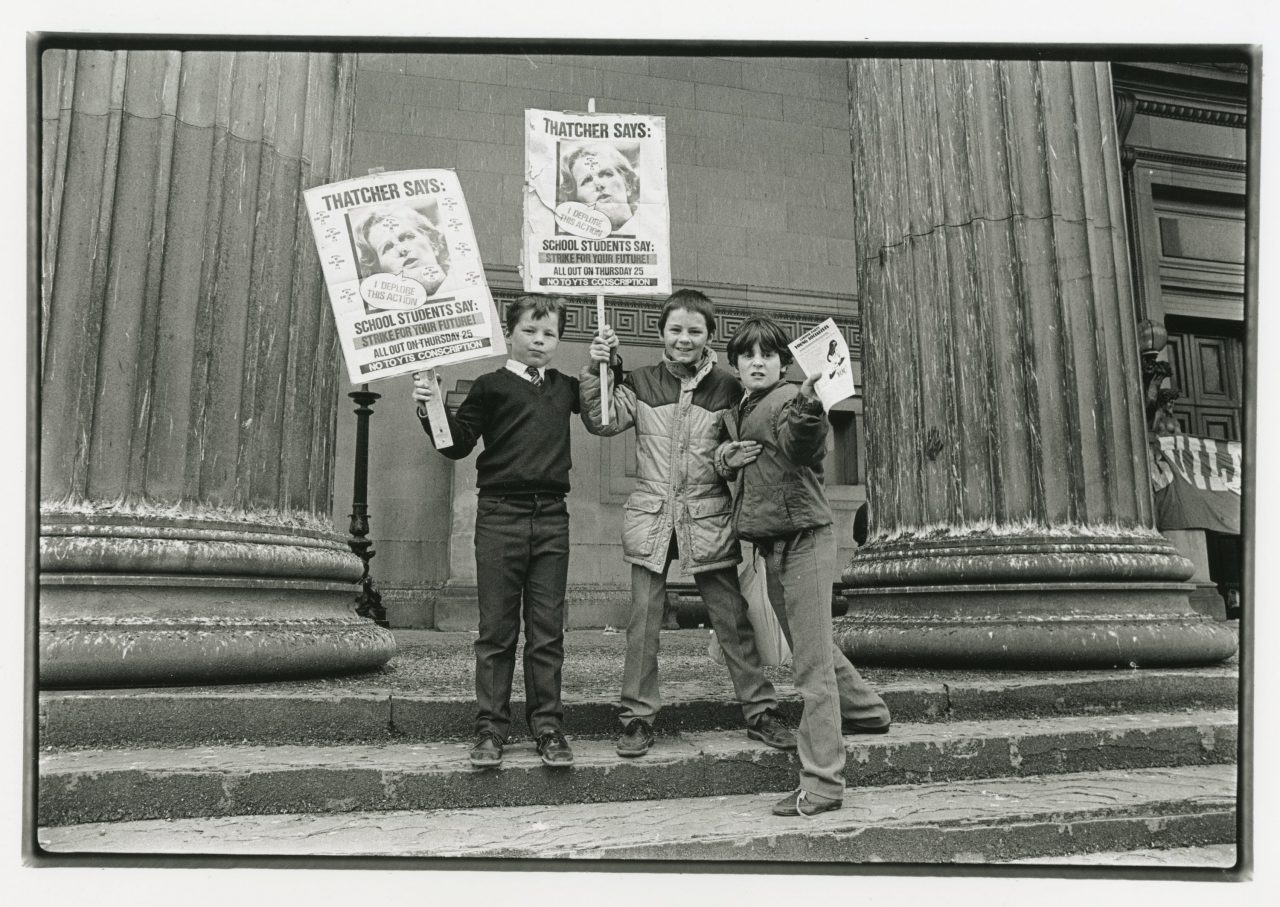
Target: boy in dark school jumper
{"points": [[521, 412]]}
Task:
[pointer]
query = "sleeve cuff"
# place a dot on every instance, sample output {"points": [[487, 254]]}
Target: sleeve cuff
{"points": [[810, 405]]}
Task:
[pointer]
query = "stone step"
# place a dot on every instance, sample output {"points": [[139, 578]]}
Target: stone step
{"points": [[1204, 856], [78, 786], [280, 714], [1026, 819]]}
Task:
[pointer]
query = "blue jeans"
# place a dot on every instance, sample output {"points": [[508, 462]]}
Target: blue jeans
{"points": [[522, 566]]}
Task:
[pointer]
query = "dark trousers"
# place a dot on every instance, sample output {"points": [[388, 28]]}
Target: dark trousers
{"points": [[522, 565], [641, 695]]}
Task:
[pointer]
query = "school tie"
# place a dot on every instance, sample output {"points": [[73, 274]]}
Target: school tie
{"points": [[534, 376]]}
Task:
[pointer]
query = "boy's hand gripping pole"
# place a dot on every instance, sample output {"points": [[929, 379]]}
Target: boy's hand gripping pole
{"points": [[439, 419]]}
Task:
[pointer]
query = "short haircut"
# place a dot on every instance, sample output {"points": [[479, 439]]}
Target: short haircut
{"points": [[398, 211], [690, 301], [538, 307], [569, 186], [761, 330]]}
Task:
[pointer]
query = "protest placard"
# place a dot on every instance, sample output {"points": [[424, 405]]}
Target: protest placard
{"points": [[822, 351], [404, 274], [596, 218]]}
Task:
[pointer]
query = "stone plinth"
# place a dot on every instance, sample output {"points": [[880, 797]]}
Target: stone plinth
{"points": [[151, 599], [1191, 543], [188, 372], [1011, 519]]}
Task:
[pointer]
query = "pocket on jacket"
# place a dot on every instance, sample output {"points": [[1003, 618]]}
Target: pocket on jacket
{"points": [[641, 516], [710, 528], [764, 511]]}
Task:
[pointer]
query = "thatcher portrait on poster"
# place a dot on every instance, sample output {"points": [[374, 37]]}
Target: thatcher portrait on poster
{"points": [[600, 176], [402, 239]]}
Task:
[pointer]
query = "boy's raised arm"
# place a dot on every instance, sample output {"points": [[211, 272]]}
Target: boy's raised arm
{"points": [[622, 408], [466, 427], [802, 426]]}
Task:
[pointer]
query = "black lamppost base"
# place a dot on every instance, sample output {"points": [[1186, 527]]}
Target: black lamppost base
{"points": [[369, 601]]}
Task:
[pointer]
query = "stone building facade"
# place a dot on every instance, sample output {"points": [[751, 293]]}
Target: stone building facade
{"points": [[787, 179], [760, 183]]}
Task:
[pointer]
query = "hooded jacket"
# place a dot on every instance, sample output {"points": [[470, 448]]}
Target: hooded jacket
{"points": [[676, 412], [781, 491]]}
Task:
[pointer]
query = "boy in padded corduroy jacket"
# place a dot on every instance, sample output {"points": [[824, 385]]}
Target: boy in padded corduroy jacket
{"points": [[774, 443]]}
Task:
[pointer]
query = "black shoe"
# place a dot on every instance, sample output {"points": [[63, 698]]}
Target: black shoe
{"points": [[769, 730], [487, 753], [554, 750], [849, 726], [800, 803], [636, 738]]}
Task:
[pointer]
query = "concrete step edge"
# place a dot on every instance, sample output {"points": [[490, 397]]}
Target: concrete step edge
{"points": [[181, 717], [994, 820], [1203, 856], [81, 786], [519, 753]]}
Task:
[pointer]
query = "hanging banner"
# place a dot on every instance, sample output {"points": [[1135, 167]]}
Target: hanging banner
{"points": [[596, 218], [404, 275], [1196, 483], [822, 351]]}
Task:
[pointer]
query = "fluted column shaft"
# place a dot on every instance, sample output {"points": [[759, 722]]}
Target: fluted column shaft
{"points": [[1010, 501], [188, 370]]}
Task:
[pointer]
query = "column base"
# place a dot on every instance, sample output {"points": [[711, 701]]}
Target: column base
{"points": [[99, 630], [1050, 626], [1208, 601]]}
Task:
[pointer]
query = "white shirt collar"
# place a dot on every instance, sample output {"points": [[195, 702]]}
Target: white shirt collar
{"points": [[520, 369]]}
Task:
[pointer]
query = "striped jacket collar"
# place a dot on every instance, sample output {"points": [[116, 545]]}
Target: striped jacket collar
{"points": [[684, 372]]}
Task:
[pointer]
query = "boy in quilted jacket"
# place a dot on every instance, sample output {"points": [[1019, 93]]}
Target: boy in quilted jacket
{"points": [[680, 508], [774, 442]]}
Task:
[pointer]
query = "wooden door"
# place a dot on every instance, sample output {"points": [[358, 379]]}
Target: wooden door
{"points": [[1208, 362]]}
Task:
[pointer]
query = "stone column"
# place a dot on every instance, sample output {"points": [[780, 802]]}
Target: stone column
{"points": [[1011, 511], [188, 372]]}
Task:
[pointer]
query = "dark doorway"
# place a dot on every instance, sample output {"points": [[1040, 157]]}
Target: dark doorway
{"points": [[1207, 356]]}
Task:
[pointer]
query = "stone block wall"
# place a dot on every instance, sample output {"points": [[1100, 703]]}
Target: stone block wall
{"points": [[759, 170], [761, 194]]}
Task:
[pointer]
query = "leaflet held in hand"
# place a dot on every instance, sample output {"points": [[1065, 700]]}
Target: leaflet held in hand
{"points": [[823, 351]]}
